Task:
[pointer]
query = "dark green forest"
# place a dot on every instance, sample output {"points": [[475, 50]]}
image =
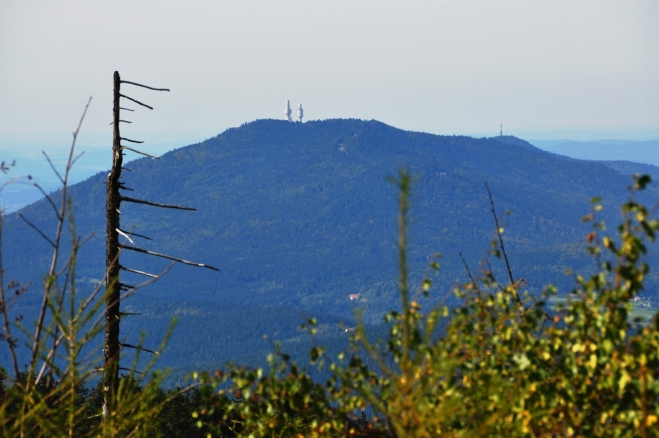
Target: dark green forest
{"points": [[299, 216]]}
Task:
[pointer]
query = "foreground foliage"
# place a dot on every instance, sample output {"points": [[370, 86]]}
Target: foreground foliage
{"points": [[505, 365]]}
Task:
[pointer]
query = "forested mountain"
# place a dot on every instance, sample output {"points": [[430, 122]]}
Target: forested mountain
{"points": [[299, 215]]}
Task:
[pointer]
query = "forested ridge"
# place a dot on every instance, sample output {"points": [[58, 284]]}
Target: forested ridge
{"points": [[298, 216], [308, 331]]}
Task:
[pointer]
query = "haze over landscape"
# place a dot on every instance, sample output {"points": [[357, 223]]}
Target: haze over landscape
{"points": [[581, 71]]}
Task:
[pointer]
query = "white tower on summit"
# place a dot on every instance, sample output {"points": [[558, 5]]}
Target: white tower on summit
{"points": [[288, 111], [300, 113]]}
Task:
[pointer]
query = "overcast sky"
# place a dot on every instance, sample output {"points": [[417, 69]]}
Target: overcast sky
{"points": [[582, 69]]}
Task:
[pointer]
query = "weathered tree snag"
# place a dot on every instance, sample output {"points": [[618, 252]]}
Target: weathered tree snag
{"points": [[113, 290], [114, 286]]}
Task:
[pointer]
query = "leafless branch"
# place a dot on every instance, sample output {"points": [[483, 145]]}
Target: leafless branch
{"points": [[58, 234], [34, 227], [4, 308], [127, 109], [136, 101], [135, 271], [76, 158], [125, 235], [139, 152], [137, 347], [471, 277], [503, 248], [165, 256], [146, 283], [129, 314], [128, 369], [52, 166], [125, 168], [155, 204], [135, 234], [124, 121], [132, 141], [48, 198], [145, 86]]}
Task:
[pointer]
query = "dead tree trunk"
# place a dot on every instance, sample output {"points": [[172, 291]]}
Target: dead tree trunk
{"points": [[113, 291], [114, 287]]}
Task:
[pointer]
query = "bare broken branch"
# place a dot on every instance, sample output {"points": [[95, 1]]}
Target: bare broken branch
{"points": [[139, 152], [137, 347], [155, 204], [165, 256], [132, 233], [132, 141], [136, 101], [125, 235], [135, 271], [145, 86]]}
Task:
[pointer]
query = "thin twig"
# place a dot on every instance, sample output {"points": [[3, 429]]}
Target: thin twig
{"points": [[76, 158], [128, 369], [165, 256], [464, 262], [50, 201], [127, 109], [4, 307], [52, 166], [503, 248], [145, 86], [137, 347], [34, 227], [155, 204]]}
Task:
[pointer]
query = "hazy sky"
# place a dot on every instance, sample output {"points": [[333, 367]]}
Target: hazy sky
{"points": [[580, 69]]}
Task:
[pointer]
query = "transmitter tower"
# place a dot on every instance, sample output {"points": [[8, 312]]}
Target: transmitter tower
{"points": [[288, 111]]}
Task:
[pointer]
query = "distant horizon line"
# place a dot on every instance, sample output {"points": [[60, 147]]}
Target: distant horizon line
{"points": [[186, 136]]}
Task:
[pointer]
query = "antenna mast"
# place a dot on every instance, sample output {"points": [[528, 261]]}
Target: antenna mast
{"points": [[288, 111], [501, 127], [300, 113]]}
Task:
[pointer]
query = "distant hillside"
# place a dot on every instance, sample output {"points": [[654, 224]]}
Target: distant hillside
{"points": [[646, 152], [298, 216], [629, 168]]}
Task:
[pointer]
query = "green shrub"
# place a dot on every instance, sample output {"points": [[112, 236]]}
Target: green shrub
{"points": [[505, 364]]}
